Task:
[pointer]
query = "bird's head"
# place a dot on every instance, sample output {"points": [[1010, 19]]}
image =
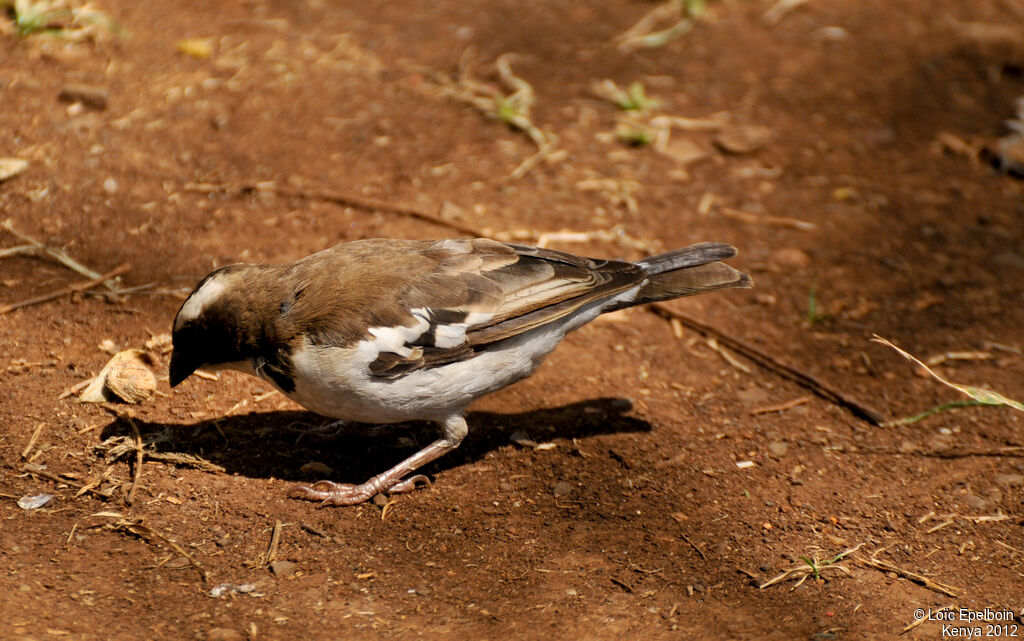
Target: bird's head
{"points": [[214, 325]]}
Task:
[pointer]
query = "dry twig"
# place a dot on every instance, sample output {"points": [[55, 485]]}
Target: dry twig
{"points": [[148, 534], [57, 253], [885, 566], [772, 364], [773, 221], [137, 473], [338, 198], [275, 540], [70, 289], [780, 407], [512, 109], [32, 441]]}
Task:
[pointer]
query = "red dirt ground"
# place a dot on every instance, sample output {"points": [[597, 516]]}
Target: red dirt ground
{"points": [[655, 531]]}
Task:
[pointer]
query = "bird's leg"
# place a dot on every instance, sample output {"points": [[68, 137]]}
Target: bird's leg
{"points": [[393, 480]]}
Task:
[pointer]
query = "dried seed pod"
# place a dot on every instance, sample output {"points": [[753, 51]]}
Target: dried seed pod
{"points": [[125, 377]]}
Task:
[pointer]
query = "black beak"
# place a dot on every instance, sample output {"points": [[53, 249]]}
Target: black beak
{"points": [[181, 368]]}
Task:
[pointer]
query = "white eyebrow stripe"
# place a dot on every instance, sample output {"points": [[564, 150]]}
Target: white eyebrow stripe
{"points": [[202, 298]]}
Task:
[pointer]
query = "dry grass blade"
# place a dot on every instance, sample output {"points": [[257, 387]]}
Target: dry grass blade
{"points": [[275, 540], [772, 221], [780, 407], [644, 34], [944, 407], [58, 254], [980, 394], [513, 109], [811, 567], [137, 475], [70, 289], [885, 566], [726, 355], [40, 471], [32, 441], [149, 535], [780, 9], [117, 446]]}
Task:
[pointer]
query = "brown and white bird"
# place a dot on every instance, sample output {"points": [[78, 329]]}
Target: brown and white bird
{"points": [[385, 331]]}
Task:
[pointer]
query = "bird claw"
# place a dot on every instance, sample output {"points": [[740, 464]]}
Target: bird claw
{"points": [[341, 494], [409, 484]]}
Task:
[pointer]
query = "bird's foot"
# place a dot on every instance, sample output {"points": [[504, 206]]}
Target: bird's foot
{"points": [[330, 493]]}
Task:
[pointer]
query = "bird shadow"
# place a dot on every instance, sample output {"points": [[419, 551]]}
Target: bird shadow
{"points": [[279, 443]]}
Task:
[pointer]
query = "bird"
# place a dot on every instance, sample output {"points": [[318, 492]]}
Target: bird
{"points": [[385, 331]]}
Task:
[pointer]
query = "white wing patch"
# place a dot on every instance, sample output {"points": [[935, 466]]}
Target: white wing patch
{"points": [[448, 336], [398, 340], [405, 340]]}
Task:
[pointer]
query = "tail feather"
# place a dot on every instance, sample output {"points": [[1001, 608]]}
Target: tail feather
{"points": [[688, 271], [692, 256]]}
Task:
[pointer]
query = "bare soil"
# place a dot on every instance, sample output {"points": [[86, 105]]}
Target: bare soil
{"points": [[638, 515]]}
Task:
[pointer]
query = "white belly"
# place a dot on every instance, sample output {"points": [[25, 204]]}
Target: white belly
{"points": [[338, 384]]}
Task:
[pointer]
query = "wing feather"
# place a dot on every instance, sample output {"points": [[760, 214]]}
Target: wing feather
{"points": [[447, 300]]}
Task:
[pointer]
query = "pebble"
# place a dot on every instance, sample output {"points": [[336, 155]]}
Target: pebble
{"points": [[224, 634], [743, 140], [34, 501], [752, 396], [561, 488], [790, 257], [974, 501], [380, 500], [316, 468], [778, 449], [95, 97], [10, 167], [1008, 480], [284, 569]]}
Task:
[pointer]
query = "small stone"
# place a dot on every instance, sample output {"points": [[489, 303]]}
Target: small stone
{"points": [[778, 449], [24, 588], [683, 151], [317, 469], [743, 139], [1008, 480], [521, 439], [284, 569], [178, 563], [223, 634], [10, 167], [34, 501], [94, 97], [752, 396], [110, 185], [790, 257], [974, 501], [561, 488], [379, 500]]}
